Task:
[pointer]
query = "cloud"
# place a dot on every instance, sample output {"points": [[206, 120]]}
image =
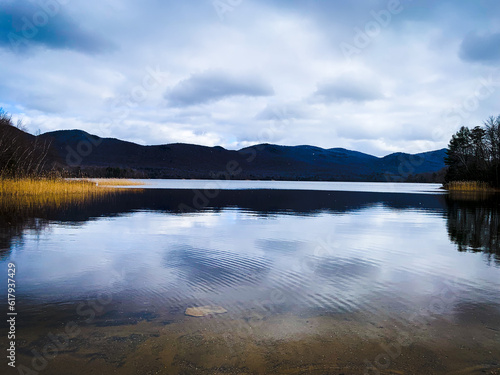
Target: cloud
{"points": [[214, 86], [481, 48], [281, 113], [347, 89], [24, 25]]}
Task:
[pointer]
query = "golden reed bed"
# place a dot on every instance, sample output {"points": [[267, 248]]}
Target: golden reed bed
{"points": [[116, 182], [469, 186], [39, 192], [39, 187]]}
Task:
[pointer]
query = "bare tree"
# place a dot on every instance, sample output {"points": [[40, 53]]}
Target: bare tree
{"points": [[21, 154]]}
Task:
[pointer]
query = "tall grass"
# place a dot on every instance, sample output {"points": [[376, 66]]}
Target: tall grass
{"points": [[468, 186], [116, 182], [30, 192], [41, 186]]}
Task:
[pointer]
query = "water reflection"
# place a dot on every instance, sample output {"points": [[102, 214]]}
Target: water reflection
{"points": [[319, 249], [298, 242], [16, 218], [474, 224]]}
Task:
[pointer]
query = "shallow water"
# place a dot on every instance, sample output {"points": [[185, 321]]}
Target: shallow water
{"points": [[313, 281]]}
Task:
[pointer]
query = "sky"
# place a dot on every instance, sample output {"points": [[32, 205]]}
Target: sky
{"points": [[376, 76]]}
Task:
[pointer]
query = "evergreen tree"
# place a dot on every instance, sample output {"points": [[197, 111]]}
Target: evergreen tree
{"points": [[474, 154]]}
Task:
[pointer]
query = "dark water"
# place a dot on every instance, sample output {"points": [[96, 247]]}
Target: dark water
{"points": [[312, 281]]}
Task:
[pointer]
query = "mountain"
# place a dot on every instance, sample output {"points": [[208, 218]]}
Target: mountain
{"points": [[112, 157]]}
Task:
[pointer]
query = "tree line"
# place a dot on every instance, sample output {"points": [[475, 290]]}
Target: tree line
{"points": [[474, 154]]}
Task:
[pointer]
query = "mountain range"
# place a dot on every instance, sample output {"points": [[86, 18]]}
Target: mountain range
{"points": [[110, 157]]}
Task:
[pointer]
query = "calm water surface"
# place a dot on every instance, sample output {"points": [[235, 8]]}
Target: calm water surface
{"points": [[380, 187], [323, 278]]}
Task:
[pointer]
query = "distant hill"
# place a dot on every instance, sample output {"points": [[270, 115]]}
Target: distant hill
{"points": [[112, 157]]}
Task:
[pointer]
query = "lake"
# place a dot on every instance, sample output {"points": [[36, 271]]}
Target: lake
{"points": [[309, 277]]}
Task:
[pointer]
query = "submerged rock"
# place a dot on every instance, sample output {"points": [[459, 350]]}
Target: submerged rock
{"points": [[205, 310]]}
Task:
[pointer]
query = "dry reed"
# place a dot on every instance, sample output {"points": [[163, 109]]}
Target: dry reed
{"points": [[38, 192], [468, 186], [116, 182]]}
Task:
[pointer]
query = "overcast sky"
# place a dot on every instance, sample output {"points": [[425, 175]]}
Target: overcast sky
{"points": [[375, 76]]}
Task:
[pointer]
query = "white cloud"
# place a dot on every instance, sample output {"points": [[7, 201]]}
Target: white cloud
{"points": [[210, 87]]}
